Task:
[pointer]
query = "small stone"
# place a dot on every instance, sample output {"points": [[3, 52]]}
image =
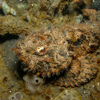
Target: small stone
{"points": [[10, 91]]}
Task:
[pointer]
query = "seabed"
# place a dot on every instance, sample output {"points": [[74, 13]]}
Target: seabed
{"points": [[11, 75]]}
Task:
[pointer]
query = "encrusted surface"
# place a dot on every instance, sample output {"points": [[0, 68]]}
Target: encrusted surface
{"points": [[54, 51], [24, 17]]}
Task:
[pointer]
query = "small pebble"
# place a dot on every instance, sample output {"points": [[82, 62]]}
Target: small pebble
{"points": [[10, 91]]}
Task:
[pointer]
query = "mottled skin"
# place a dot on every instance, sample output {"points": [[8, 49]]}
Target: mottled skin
{"points": [[67, 50]]}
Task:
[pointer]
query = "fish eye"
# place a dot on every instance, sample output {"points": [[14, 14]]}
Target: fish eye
{"points": [[41, 50]]}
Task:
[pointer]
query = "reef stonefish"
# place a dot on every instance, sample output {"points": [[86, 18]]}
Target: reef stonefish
{"points": [[67, 52]]}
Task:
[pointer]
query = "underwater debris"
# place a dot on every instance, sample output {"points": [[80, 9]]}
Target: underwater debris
{"points": [[54, 51]]}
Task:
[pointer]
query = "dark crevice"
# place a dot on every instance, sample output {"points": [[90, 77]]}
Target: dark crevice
{"points": [[1, 12], [7, 36], [20, 69]]}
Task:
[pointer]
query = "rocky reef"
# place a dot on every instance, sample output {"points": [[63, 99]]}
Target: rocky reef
{"points": [[27, 15]]}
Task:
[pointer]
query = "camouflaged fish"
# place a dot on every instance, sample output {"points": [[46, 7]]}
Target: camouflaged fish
{"points": [[67, 52]]}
